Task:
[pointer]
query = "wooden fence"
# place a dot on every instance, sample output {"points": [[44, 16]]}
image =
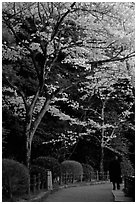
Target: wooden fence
{"points": [[70, 178], [37, 182]]}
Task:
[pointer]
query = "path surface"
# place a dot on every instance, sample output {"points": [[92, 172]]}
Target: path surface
{"points": [[92, 193]]}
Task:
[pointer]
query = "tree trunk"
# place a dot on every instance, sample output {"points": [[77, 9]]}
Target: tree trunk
{"points": [[27, 138], [28, 151], [28, 157], [102, 162], [102, 143], [31, 128]]}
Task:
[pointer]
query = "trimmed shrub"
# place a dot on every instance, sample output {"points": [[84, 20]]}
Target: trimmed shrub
{"points": [[15, 178], [72, 167], [88, 172], [49, 163]]}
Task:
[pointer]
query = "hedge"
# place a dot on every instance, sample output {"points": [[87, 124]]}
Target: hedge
{"points": [[49, 163], [15, 178], [72, 167], [88, 172]]}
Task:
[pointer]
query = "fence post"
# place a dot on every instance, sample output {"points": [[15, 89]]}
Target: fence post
{"points": [[69, 178], [107, 175], [42, 184], [73, 178], [49, 180], [34, 183], [81, 176], [39, 182], [9, 189], [65, 178], [90, 176], [60, 180], [28, 190], [97, 176]]}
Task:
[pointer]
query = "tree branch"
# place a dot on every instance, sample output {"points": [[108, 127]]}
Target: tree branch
{"points": [[61, 20], [15, 14], [35, 66], [113, 150], [38, 4], [21, 93], [110, 137], [96, 112], [26, 46], [97, 139], [34, 101], [15, 34], [39, 117], [113, 59]]}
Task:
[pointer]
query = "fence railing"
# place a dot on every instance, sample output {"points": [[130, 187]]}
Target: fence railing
{"points": [[102, 176], [37, 182], [89, 177]]}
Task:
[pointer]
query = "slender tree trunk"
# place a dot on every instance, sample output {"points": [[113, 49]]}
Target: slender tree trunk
{"points": [[102, 162], [28, 157], [27, 138], [28, 151], [102, 143], [30, 129]]}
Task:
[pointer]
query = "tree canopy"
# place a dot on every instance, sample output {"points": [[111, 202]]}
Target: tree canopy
{"points": [[72, 63]]}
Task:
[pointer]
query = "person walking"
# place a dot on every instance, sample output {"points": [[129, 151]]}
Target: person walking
{"points": [[115, 173]]}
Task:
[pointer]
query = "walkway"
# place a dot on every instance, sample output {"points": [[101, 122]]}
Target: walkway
{"points": [[92, 193]]}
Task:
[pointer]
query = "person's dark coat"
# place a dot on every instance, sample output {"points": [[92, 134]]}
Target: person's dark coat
{"points": [[115, 171]]}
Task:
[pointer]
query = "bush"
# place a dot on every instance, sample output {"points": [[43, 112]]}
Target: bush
{"points": [[15, 178], [72, 167], [88, 172], [49, 163]]}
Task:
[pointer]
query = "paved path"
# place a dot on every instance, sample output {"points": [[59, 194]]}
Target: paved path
{"points": [[92, 193]]}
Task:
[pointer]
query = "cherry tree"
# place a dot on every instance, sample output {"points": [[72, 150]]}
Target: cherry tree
{"points": [[52, 47], [36, 29]]}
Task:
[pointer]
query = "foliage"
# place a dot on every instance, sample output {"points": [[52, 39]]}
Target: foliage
{"points": [[13, 139], [116, 102], [87, 168], [28, 64], [72, 167], [15, 178], [49, 163], [127, 168], [88, 171], [58, 55]]}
